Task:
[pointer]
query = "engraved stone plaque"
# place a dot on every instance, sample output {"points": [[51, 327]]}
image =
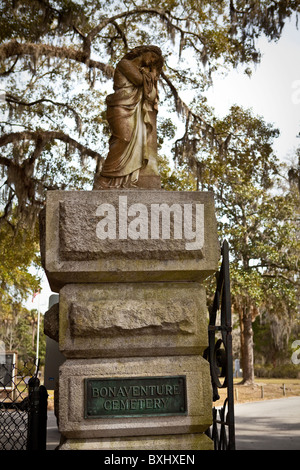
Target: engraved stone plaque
{"points": [[135, 397]]}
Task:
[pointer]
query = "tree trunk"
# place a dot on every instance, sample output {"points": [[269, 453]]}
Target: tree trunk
{"points": [[247, 346]]}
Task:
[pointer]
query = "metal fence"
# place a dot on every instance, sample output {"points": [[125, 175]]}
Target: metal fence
{"points": [[23, 408], [219, 355]]}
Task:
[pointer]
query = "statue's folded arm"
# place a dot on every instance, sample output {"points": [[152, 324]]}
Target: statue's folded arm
{"points": [[131, 72]]}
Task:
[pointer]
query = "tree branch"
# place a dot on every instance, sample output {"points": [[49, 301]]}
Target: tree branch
{"points": [[14, 48], [20, 174], [5, 161], [7, 72], [45, 136], [163, 14], [269, 264], [275, 276], [183, 108], [121, 33], [13, 99]]}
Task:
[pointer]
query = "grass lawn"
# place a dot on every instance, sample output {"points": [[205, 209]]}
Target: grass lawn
{"points": [[263, 389]]}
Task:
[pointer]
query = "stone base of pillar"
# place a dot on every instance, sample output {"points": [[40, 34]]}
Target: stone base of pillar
{"points": [[134, 396], [197, 441], [132, 319]]}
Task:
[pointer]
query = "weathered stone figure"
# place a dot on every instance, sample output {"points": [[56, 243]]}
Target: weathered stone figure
{"points": [[131, 113]]}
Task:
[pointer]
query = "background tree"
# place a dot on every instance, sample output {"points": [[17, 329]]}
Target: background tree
{"points": [[257, 203], [258, 213], [18, 253], [18, 263]]}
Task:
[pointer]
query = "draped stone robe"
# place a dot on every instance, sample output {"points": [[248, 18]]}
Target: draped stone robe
{"points": [[130, 116]]}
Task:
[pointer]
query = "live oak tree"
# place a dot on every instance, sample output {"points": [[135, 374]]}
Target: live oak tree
{"points": [[257, 204], [18, 253]]}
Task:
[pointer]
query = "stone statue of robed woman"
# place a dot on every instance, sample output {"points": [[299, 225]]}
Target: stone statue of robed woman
{"points": [[131, 114]]}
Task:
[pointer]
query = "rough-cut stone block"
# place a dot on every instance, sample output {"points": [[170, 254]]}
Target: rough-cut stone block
{"points": [[132, 319], [73, 424], [148, 443], [129, 236], [51, 322]]}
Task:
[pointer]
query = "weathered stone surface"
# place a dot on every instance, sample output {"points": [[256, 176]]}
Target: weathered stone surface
{"points": [[168, 442], [72, 423], [145, 181], [132, 319], [132, 117], [51, 322], [128, 236], [128, 265]]}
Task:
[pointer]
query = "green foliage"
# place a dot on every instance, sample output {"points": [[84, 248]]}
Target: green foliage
{"points": [[281, 371], [178, 179], [258, 213], [18, 253], [22, 336]]}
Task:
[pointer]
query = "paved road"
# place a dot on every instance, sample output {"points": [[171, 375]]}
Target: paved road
{"points": [[53, 435], [268, 425], [262, 425]]}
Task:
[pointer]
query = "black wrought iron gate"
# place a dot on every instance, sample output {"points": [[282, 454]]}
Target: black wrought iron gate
{"points": [[219, 355], [23, 409]]}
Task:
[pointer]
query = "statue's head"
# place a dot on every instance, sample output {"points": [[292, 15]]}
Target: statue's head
{"points": [[150, 55]]}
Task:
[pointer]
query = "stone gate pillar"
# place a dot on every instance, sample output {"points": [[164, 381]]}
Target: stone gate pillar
{"points": [[129, 267]]}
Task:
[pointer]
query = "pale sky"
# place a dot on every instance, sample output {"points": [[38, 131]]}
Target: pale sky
{"points": [[272, 92]]}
